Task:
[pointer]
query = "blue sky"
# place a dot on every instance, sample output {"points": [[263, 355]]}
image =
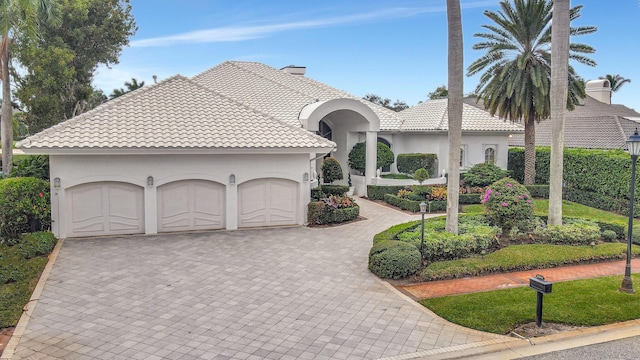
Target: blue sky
{"points": [[395, 48]]}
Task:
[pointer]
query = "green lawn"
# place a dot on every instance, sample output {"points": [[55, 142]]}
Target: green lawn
{"points": [[583, 303]]}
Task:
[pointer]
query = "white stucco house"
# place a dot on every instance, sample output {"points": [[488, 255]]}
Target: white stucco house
{"points": [[236, 146]]}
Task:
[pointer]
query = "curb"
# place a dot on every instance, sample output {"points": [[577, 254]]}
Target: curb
{"points": [[10, 349]]}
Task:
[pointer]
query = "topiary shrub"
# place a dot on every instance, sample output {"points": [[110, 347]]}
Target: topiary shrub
{"points": [[484, 174], [358, 154], [22, 202], [394, 259], [609, 235], [508, 205], [331, 170], [421, 175], [409, 163]]}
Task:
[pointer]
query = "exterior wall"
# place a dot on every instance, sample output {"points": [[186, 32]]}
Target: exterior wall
{"points": [[474, 145], [79, 169]]}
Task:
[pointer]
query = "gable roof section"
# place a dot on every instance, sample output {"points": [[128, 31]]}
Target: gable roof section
{"points": [[433, 115], [277, 93], [174, 114]]}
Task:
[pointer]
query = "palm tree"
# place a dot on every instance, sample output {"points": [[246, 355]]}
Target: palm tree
{"points": [[130, 86], [559, 89], [456, 78], [517, 67], [17, 18], [616, 81]]}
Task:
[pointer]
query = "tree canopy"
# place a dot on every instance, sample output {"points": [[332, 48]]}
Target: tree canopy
{"points": [[129, 85], [440, 92], [60, 65], [386, 102], [616, 81]]}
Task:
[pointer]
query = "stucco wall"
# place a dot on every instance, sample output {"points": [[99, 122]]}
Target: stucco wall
{"points": [[134, 169]]}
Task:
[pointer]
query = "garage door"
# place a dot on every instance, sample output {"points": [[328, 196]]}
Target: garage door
{"points": [[267, 202], [104, 208], [191, 205]]}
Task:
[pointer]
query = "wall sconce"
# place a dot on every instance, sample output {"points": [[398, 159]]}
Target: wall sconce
{"points": [[232, 179], [56, 183], [149, 180], [305, 177]]}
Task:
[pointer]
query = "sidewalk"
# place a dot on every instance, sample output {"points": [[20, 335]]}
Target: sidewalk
{"points": [[514, 279]]}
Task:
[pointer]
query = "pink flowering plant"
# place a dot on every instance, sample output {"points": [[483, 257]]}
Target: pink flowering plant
{"points": [[508, 205]]}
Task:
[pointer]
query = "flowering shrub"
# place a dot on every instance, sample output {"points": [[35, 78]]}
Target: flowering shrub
{"points": [[508, 205], [337, 202], [439, 193], [22, 202]]}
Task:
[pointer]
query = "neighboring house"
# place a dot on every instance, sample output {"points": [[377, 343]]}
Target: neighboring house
{"points": [[233, 147], [594, 124]]}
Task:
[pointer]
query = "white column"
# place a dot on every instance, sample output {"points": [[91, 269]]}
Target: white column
{"points": [[372, 158], [150, 210], [231, 217]]}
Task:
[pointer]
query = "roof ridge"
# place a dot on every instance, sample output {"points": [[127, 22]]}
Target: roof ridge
{"points": [[270, 79]]}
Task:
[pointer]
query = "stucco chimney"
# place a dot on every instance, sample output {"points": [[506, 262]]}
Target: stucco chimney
{"points": [[294, 70], [599, 90]]}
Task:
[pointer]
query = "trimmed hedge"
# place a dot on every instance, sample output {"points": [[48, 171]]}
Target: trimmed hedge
{"points": [[469, 199], [319, 214], [577, 232], [375, 192], [620, 230], [328, 190], [414, 205], [409, 163], [538, 191], [393, 259], [392, 232], [22, 202]]}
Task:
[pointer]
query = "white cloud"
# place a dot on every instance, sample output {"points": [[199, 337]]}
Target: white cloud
{"points": [[241, 33]]}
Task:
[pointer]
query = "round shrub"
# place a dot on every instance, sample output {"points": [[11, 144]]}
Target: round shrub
{"points": [[394, 259], [508, 205], [331, 170], [22, 202], [483, 174], [358, 154], [609, 235], [421, 175]]}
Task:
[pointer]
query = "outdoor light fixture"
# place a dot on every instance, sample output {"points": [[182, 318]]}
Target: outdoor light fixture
{"points": [[56, 182], [423, 209], [149, 180], [305, 177], [633, 145], [232, 179]]}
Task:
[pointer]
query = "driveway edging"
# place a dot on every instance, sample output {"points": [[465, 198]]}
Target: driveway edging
{"points": [[28, 309]]}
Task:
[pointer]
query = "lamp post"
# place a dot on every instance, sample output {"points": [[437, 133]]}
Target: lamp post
{"points": [[423, 209], [633, 145]]}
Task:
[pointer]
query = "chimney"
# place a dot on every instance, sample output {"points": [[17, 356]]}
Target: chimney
{"points": [[294, 70], [599, 90]]}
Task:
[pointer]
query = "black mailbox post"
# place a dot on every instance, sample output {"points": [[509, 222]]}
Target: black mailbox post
{"points": [[541, 287]]}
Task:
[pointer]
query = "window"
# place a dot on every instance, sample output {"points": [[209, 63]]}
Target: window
{"points": [[324, 130], [490, 154], [463, 153]]}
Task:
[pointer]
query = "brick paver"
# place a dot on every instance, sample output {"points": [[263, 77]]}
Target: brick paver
{"points": [[288, 293], [515, 279]]}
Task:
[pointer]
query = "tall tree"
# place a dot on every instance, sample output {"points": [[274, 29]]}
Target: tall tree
{"points": [[17, 18], [560, 29], [616, 81], [130, 86], [515, 83], [61, 64], [386, 102], [439, 93], [455, 79]]}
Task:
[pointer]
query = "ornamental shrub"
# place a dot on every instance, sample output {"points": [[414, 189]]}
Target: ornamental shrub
{"points": [[375, 192], [421, 175], [484, 174], [22, 202], [36, 166], [394, 259], [336, 190], [358, 154], [331, 170], [409, 163], [609, 235], [508, 205], [575, 232], [332, 209]]}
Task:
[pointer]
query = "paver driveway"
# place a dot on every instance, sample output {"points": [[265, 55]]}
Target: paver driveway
{"points": [[296, 293]]}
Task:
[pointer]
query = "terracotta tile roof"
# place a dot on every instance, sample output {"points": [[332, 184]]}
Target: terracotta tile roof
{"points": [[277, 93], [173, 114], [594, 125], [433, 115]]}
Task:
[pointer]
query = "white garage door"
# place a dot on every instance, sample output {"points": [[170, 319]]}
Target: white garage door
{"points": [[267, 202], [191, 205], [104, 208]]}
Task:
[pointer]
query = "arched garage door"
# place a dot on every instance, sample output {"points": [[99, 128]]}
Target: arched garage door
{"points": [[267, 202], [191, 205], [104, 208]]}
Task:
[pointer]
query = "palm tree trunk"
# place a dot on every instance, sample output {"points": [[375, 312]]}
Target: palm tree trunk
{"points": [[456, 71], [559, 89], [530, 151], [6, 121]]}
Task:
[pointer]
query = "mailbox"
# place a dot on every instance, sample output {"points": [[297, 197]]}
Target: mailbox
{"points": [[540, 285]]}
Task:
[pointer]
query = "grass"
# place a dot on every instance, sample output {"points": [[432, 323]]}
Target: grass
{"points": [[588, 302], [525, 257]]}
